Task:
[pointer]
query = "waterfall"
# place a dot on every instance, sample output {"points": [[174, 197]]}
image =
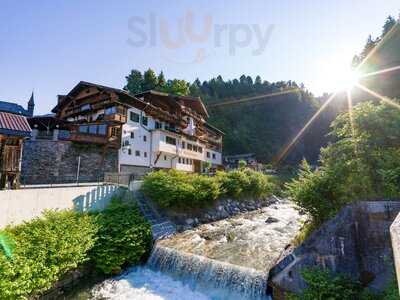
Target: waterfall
{"points": [[222, 280]]}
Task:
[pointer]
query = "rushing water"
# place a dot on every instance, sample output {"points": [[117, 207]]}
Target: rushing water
{"points": [[228, 259]]}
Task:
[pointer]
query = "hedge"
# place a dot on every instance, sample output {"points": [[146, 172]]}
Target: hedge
{"points": [[178, 190], [45, 248]]}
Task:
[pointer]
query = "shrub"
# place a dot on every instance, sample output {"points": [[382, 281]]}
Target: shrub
{"points": [[178, 190], [123, 238], [316, 192], [245, 182], [174, 189], [325, 285], [45, 248]]}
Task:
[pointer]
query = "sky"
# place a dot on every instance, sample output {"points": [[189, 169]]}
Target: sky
{"points": [[49, 46]]}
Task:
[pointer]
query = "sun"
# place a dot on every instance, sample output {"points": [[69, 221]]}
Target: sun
{"points": [[334, 74], [347, 80]]}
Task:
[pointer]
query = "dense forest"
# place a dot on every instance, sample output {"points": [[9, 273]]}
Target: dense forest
{"points": [[265, 125]]}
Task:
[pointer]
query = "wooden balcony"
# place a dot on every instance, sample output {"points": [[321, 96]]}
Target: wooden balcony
{"points": [[118, 118], [109, 136]]}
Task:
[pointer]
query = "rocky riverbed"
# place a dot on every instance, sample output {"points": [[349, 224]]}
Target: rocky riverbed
{"points": [[253, 239]]}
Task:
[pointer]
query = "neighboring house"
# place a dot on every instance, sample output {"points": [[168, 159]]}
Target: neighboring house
{"points": [[14, 128], [151, 130], [232, 161]]}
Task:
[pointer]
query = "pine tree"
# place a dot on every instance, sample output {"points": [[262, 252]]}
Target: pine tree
{"points": [[134, 82], [149, 80]]}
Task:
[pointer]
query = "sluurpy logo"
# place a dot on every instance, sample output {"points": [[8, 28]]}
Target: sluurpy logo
{"points": [[199, 41]]}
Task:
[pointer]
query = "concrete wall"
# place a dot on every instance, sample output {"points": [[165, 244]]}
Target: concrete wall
{"points": [[17, 206], [395, 235], [356, 242]]}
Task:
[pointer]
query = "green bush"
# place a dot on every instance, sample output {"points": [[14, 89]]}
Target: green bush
{"points": [[179, 190], [123, 238], [326, 285], [323, 285], [45, 248]]}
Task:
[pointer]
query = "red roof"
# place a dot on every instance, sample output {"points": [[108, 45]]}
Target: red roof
{"points": [[14, 124]]}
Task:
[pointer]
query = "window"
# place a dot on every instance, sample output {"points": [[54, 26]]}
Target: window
{"points": [[200, 149], [93, 129], [145, 154], [195, 148], [187, 161], [158, 125], [145, 121], [170, 140], [179, 160], [102, 129], [115, 131], [132, 135], [214, 156], [208, 154], [129, 151], [189, 146], [144, 138], [183, 145], [110, 110], [83, 128], [165, 157], [134, 117], [137, 153], [126, 143]]}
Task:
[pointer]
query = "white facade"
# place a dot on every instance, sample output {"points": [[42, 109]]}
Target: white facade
{"points": [[146, 143]]}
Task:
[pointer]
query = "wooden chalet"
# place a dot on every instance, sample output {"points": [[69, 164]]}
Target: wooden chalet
{"points": [[14, 128]]}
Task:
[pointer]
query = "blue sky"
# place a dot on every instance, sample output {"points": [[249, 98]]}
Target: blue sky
{"points": [[49, 46]]}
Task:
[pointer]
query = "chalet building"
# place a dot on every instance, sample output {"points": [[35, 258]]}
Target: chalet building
{"points": [[232, 161], [151, 130], [14, 128]]}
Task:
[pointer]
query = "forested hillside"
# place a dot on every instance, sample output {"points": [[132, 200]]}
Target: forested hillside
{"points": [[265, 125]]}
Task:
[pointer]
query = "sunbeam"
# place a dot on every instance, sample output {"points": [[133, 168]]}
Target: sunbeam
{"points": [[288, 147], [375, 94], [380, 72], [236, 101]]}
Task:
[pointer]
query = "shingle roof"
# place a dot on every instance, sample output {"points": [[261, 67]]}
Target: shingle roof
{"points": [[13, 108], [12, 124]]}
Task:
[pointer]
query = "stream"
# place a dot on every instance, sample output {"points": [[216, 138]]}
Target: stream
{"points": [[227, 259]]}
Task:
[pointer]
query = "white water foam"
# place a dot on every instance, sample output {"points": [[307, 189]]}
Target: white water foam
{"points": [[141, 283]]}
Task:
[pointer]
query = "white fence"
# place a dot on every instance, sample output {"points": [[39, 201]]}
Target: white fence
{"points": [[17, 206]]}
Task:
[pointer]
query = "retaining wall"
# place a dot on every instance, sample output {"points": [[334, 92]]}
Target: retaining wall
{"points": [[395, 235], [17, 206]]}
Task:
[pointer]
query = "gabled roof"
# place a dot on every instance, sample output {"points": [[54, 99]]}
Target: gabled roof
{"points": [[13, 124], [194, 103], [63, 99], [13, 108]]}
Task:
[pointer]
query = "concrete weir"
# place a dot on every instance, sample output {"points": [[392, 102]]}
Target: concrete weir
{"points": [[356, 242]]}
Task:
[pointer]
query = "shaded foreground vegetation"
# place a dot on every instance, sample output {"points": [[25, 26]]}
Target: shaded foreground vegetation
{"points": [[362, 164], [178, 190], [326, 285], [46, 248]]}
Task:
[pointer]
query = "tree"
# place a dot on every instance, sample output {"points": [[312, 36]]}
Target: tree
{"points": [[178, 87], [150, 81], [161, 82], [389, 24], [134, 82]]}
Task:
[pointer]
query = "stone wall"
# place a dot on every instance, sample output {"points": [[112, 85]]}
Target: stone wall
{"points": [[395, 234], [356, 242], [46, 162]]}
